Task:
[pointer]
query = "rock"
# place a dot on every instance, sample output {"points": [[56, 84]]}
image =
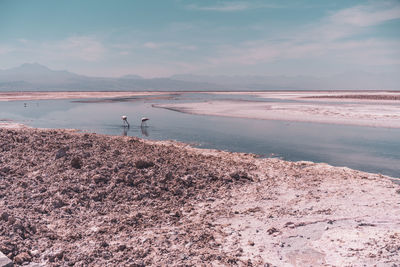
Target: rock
{"points": [[272, 230], [4, 216], [8, 248], [62, 152], [366, 224], [22, 257], [121, 247], [56, 255], [143, 164], [5, 169], [11, 220], [34, 253], [100, 179], [237, 175], [4, 261], [290, 225], [58, 203], [76, 163]]}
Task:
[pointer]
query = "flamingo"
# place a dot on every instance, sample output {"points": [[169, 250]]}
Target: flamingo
{"points": [[125, 121], [144, 119]]}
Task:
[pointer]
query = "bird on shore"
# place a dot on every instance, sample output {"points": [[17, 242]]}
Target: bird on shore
{"points": [[144, 119], [125, 121]]}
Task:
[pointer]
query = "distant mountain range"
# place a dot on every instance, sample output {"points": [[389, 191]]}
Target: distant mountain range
{"points": [[36, 77]]}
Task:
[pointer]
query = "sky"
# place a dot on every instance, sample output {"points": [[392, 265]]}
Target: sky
{"points": [[163, 38]]}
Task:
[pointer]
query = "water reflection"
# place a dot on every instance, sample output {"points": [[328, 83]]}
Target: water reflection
{"points": [[125, 131], [144, 130]]}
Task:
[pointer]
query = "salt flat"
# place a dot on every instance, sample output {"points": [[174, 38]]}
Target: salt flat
{"points": [[364, 112]]}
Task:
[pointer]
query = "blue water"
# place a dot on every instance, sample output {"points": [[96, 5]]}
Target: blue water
{"points": [[364, 148]]}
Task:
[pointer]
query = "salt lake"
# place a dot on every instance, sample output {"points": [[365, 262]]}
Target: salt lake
{"points": [[370, 149]]}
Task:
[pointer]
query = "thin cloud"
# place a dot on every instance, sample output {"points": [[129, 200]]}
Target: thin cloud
{"points": [[5, 50], [23, 41], [232, 6], [352, 21], [369, 52], [331, 40], [163, 69], [77, 48], [367, 15], [81, 47], [169, 45], [152, 45]]}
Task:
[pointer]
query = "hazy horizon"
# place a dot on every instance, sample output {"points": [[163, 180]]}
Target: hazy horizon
{"points": [[37, 77], [174, 37]]}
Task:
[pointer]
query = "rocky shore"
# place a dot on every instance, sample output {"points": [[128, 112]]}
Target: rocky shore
{"points": [[80, 199]]}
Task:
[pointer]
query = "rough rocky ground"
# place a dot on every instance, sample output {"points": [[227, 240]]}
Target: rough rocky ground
{"points": [[78, 199]]}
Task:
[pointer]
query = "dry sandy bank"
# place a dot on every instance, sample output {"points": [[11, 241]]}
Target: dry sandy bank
{"points": [[11, 125], [351, 114], [69, 198], [12, 96]]}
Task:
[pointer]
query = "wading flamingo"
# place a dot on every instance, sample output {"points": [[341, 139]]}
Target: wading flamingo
{"points": [[144, 119], [125, 121]]}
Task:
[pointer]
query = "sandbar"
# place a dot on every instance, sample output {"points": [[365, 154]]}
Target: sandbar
{"points": [[363, 114]]}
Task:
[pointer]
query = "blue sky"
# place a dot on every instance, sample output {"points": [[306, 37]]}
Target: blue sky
{"points": [[162, 38]]}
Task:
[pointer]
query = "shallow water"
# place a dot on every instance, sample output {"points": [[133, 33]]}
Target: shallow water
{"points": [[364, 148]]}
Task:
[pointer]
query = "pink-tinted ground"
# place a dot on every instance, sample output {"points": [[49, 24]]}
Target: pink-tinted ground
{"points": [[70, 198]]}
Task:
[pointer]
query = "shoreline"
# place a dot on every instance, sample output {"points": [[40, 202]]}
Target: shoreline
{"points": [[96, 199], [19, 96], [8, 124], [328, 95]]}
